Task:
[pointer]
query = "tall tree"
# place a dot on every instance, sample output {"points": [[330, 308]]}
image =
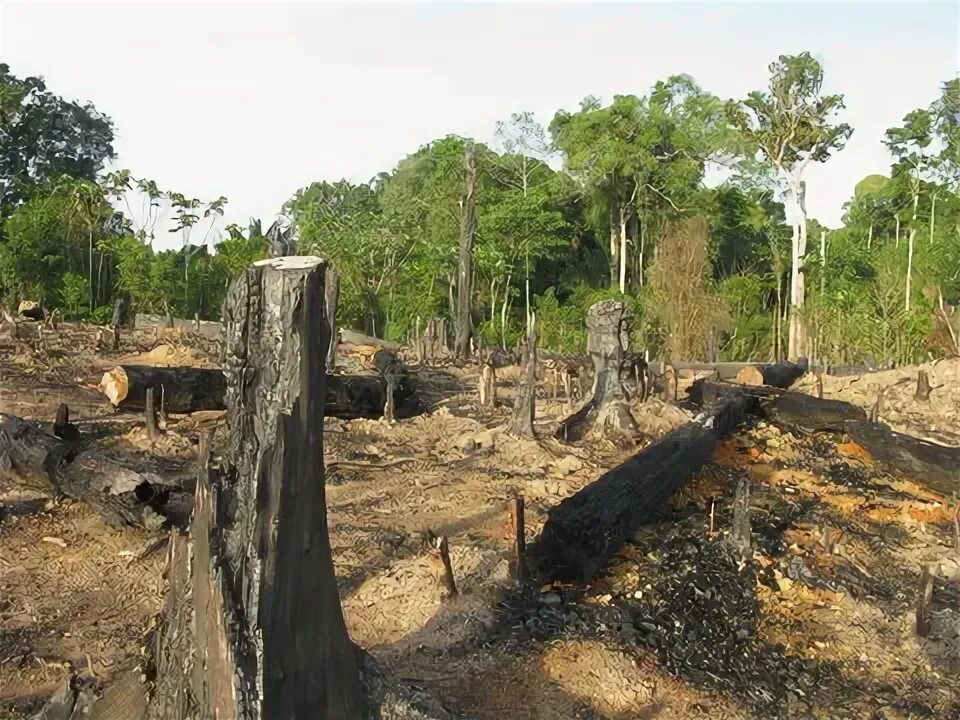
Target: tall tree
{"points": [[462, 320], [791, 125], [43, 136]]}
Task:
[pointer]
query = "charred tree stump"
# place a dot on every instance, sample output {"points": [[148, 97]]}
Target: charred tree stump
{"points": [[923, 625], [488, 385], [331, 290], [608, 343], [586, 529], [923, 387], [524, 408], [740, 532], [62, 427], [265, 575], [518, 530], [877, 409], [442, 553], [152, 418]]}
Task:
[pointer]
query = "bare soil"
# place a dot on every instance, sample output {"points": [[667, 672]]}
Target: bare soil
{"points": [[818, 623]]}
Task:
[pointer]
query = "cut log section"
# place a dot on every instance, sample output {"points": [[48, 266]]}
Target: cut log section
{"points": [[586, 529], [181, 389], [188, 390]]}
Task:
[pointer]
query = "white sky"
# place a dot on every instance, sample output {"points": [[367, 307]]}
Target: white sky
{"points": [[255, 101]]}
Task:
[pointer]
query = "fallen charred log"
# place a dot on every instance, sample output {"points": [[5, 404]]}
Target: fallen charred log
{"points": [[180, 389], [586, 529], [934, 466], [31, 457], [781, 375], [187, 390]]}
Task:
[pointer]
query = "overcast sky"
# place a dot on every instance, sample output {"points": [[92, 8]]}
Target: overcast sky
{"points": [[254, 101]]}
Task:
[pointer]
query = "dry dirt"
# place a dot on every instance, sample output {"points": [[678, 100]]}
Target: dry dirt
{"points": [[818, 623]]}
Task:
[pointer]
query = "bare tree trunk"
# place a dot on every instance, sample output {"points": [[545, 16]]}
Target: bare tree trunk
{"points": [[910, 240], [503, 312], [933, 215], [870, 237], [898, 230], [643, 242], [465, 270], [614, 249], [623, 250], [798, 336]]}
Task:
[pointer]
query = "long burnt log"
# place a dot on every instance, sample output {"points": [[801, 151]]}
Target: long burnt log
{"points": [[586, 529], [934, 466], [187, 390], [782, 374]]}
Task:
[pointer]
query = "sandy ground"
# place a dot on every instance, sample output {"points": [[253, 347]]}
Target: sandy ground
{"points": [[818, 623]]}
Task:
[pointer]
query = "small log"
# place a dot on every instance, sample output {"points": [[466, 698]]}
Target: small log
{"points": [[153, 429], [183, 389], [518, 529], [449, 583], [31, 311], [924, 596], [524, 408], [923, 387], [586, 529], [62, 427]]}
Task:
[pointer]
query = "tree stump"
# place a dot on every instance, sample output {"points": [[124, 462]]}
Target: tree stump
{"points": [[608, 343], [269, 627], [152, 418], [923, 387], [524, 408], [488, 386], [740, 532]]}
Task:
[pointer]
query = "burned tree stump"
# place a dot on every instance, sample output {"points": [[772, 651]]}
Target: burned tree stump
{"points": [[923, 387], [260, 543], [740, 532], [487, 385], [152, 417], [518, 531], [62, 427], [524, 408], [608, 342]]}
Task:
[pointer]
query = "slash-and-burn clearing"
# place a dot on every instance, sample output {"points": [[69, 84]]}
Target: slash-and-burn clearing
{"points": [[842, 601]]}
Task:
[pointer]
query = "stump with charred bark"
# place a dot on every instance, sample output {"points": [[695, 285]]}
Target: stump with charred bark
{"points": [[608, 342], [524, 408], [923, 387], [269, 624]]}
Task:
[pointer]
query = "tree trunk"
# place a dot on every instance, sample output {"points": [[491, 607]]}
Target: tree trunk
{"points": [[910, 240], [465, 268], [933, 215], [643, 242], [797, 341], [623, 250], [870, 236], [614, 249]]}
